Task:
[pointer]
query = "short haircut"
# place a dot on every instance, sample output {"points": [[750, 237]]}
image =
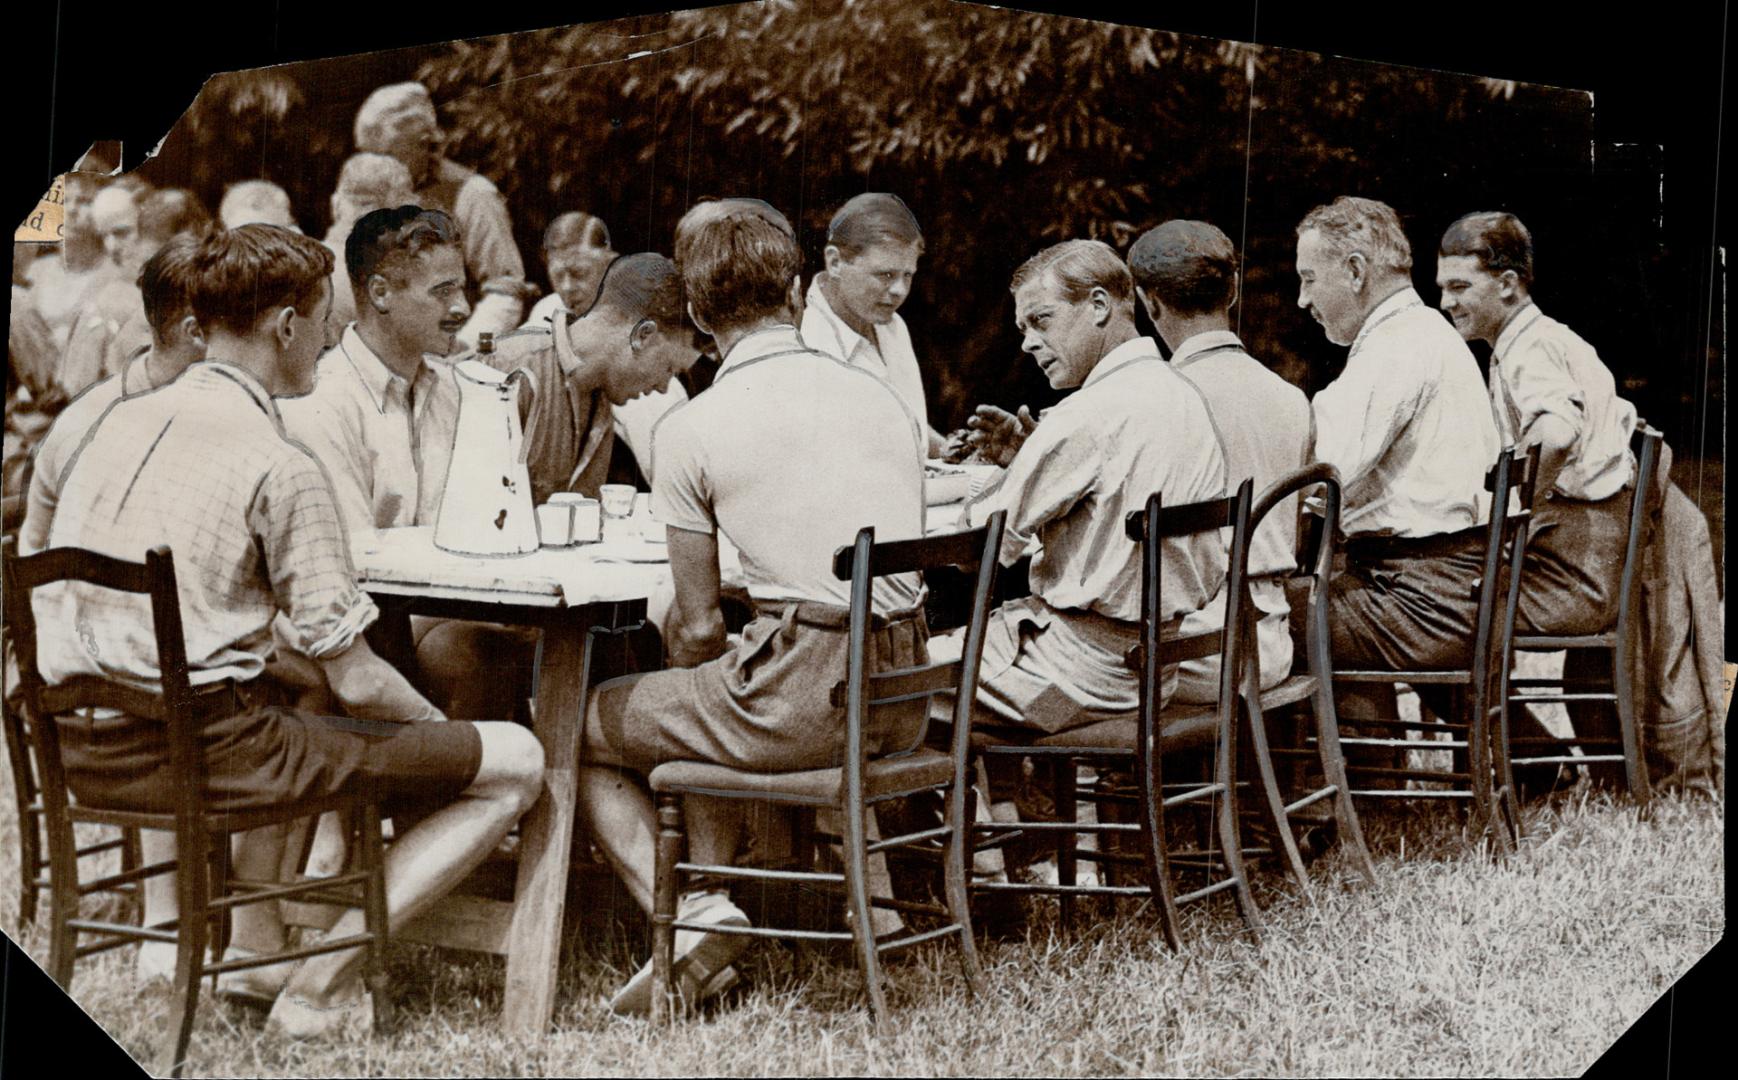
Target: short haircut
{"points": [[737, 258], [1350, 224], [576, 228], [168, 212], [385, 241], [874, 217], [1498, 239], [1188, 266], [709, 210], [373, 119], [241, 275], [368, 174], [164, 283], [1080, 266], [250, 202], [644, 286]]}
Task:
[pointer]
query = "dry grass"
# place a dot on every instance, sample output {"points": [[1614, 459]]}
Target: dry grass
{"points": [[1452, 965]]}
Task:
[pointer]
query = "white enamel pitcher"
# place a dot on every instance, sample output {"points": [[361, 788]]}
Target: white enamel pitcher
{"points": [[486, 508]]}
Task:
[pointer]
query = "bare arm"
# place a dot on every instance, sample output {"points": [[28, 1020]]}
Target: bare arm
{"points": [[694, 631], [370, 688]]}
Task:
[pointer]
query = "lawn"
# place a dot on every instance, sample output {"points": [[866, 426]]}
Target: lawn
{"points": [[1452, 965]]}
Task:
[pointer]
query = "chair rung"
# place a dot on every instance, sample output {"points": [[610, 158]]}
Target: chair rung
{"points": [[756, 874], [317, 949], [1389, 794], [121, 930], [254, 892], [1527, 681], [1207, 890], [1411, 678], [1313, 797], [98, 849], [1195, 795], [1120, 858], [1573, 740], [1558, 642], [1414, 744], [1570, 759], [1292, 751], [768, 932], [1438, 726], [1069, 890], [1056, 826], [907, 840], [1547, 699], [918, 939], [125, 877]]}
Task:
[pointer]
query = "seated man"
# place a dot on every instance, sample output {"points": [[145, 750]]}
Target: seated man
{"points": [[576, 251], [203, 466], [399, 119], [1055, 659], [366, 183], [834, 450], [1408, 426], [1186, 275]]}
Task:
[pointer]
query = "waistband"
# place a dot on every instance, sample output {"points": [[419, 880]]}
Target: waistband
{"points": [[1090, 624], [831, 616], [1362, 549]]}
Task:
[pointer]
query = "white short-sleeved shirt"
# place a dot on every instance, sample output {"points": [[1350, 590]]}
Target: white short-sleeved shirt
{"points": [[789, 453], [890, 355], [1541, 367], [1134, 427], [1408, 424]]}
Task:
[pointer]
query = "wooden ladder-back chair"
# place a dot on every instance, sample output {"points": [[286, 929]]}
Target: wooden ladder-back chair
{"points": [[1617, 641], [1478, 731], [201, 835], [1316, 684], [864, 779], [1144, 738]]}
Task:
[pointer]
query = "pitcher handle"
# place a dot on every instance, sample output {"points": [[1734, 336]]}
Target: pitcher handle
{"points": [[530, 415]]}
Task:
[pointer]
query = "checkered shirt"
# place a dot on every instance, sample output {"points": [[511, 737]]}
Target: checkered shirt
{"points": [[203, 466]]}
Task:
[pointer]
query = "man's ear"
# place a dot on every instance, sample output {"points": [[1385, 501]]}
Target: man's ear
{"points": [[1507, 282], [795, 298], [833, 258], [284, 326], [699, 323], [641, 335], [1235, 291], [1101, 305], [1153, 309], [379, 290], [1358, 268], [188, 329]]}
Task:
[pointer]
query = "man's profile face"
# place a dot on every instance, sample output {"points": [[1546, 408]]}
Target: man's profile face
{"points": [[115, 218], [872, 286], [1325, 288], [662, 355], [1472, 297], [575, 272], [76, 200], [425, 300], [1063, 336]]}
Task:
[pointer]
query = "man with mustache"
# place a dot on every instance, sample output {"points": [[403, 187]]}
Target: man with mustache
{"points": [[1408, 426]]}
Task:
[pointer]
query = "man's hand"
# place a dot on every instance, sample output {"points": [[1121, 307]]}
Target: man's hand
{"points": [[996, 434]]}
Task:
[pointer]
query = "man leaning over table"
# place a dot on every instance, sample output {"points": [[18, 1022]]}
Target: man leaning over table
{"points": [[1409, 427], [204, 466], [1186, 275], [835, 450]]}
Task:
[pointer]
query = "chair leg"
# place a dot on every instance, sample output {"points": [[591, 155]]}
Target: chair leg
{"points": [[1063, 783], [954, 869], [1230, 833], [1272, 800], [1634, 763], [669, 852], [195, 894], [862, 928], [1333, 762], [372, 853], [1154, 850], [30, 861]]}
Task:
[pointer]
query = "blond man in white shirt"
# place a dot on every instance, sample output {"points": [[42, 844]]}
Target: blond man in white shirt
{"points": [[852, 308], [1408, 426]]}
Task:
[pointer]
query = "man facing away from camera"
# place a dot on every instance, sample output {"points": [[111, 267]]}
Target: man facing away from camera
{"points": [[1186, 275], [262, 539], [837, 451]]}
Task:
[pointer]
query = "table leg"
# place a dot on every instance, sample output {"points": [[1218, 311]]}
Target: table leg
{"points": [[546, 834]]}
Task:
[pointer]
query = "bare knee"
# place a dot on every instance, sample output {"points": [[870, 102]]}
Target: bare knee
{"points": [[512, 765]]}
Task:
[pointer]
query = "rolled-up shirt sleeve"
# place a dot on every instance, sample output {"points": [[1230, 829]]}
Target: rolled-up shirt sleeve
{"points": [[1043, 482], [1358, 415], [681, 495], [295, 522], [1539, 383]]}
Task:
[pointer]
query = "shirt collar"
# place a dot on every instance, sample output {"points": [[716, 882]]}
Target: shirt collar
{"points": [[1522, 321], [376, 377], [1197, 344], [780, 338], [817, 301], [1401, 300], [243, 378], [1128, 352], [135, 379]]}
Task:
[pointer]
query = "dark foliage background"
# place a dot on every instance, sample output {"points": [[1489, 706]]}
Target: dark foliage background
{"points": [[1005, 131]]}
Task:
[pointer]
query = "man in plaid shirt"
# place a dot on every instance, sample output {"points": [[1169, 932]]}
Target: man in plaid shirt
{"points": [[203, 465]]}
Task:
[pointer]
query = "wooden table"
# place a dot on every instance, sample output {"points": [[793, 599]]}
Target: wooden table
{"points": [[564, 594]]}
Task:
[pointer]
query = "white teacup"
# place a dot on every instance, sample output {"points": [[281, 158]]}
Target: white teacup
{"points": [[587, 516], [618, 500]]}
